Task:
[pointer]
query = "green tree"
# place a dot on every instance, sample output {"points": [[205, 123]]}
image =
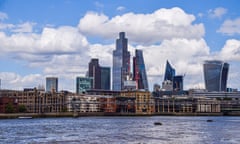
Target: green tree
{"points": [[9, 108], [22, 108]]}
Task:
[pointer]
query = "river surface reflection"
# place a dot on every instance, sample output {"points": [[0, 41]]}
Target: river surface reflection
{"points": [[133, 130]]}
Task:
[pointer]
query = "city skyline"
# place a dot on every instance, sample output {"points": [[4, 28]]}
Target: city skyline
{"points": [[40, 39]]}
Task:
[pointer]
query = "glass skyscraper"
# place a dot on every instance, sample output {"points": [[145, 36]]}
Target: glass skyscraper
{"points": [[139, 72], [121, 62], [169, 72], [105, 78], [215, 75], [51, 84]]}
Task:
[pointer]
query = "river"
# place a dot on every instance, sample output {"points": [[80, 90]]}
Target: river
{"points": [[132, 130]]}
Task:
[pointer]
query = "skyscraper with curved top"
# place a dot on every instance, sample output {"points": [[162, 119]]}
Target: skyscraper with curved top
{"points": [[121, 62], [215, 75]]}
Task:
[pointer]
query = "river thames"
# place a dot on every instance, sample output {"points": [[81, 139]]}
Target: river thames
{"points": [[132, 130]]}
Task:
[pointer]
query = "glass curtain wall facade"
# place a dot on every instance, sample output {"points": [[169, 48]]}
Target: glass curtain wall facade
{"points": [[215, 75], [169, 72], [105, 78], [121, 62], [139, 72], [83, 84], [51, 84]]}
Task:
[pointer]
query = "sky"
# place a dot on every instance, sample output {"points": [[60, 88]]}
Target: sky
{"points": [[59, 37]]}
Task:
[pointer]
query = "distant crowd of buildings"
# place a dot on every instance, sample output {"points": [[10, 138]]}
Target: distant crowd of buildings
{"points": [[130, 91]]}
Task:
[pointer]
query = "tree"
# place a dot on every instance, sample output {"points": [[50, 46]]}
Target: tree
{"points": [[22, 108], [9, 108]]}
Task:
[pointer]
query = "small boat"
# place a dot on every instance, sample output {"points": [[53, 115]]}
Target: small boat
{"points": [[157, 123], [25, 117], [209, 120]]}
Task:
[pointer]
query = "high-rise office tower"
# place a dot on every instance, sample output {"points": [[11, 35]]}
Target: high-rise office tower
{"points": [[94, 71], [51, 84], [139, 72], [121, 62], [215, 75], [169, 72], [105, 78], [101, 77]]}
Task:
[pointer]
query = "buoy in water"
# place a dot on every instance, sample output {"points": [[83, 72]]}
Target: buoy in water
{"points": [[157, 123]]}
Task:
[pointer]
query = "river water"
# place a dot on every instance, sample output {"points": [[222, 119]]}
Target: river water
{"points": [[132, 130]]}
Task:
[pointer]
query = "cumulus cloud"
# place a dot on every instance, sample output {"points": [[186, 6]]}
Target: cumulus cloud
{"points": [[231, 50], [230, 27], [143, 28], [217, 12], [26, 27]]}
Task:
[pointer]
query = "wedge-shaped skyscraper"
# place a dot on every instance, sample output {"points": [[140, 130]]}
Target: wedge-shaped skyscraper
{"points": [[215, 75], [139, 72]]}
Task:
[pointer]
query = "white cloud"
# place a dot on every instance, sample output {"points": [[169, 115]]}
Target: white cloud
{"points": [[19, 82], [143, 28], [231, 50], [230, 27], [121, 8], [3, 16], [26, 27], [217, 12]]}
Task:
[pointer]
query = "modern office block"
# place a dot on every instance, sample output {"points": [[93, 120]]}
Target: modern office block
{"points": [[178, 83], [215, 75], [169, 72], [121, 62], [51, 84], [94, 71], [139, 72], [105, 78], [83, 84]]}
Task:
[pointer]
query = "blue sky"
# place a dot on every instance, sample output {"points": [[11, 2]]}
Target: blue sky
{"points": [[59, 37]]}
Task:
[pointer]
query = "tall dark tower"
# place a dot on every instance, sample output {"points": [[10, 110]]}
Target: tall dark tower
{"points": [[139, 72], [121, 62], [215, 75], [94, 71]]}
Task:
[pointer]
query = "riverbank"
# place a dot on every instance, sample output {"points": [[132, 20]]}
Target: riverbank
{"points": [[71, 114]]}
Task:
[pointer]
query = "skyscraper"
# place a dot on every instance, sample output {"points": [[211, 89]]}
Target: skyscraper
{"points": [[105, 78], [121, 62], [139, 72], [215, 75], [101, 76], [94, 71], [169, 72], [51, 84]]}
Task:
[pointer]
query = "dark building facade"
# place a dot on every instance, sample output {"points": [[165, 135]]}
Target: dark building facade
{"points": [[169, 72], [121, 62], [94, 71], [105, 78], [139, 72], [51, 84], [101, 77], [215, 75], [178, 83]]}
